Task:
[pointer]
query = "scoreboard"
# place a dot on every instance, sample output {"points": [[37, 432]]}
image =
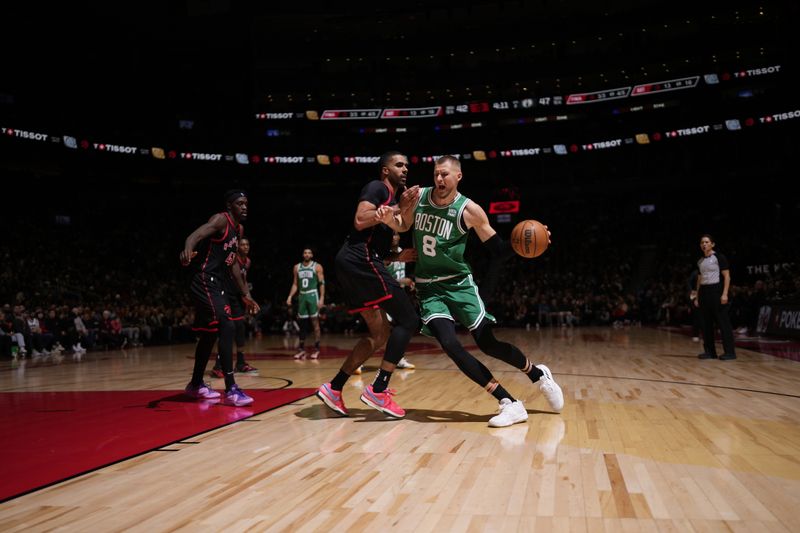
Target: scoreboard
{"points": [[412, 112], [667, 85], [608, 94], [350, 114]]}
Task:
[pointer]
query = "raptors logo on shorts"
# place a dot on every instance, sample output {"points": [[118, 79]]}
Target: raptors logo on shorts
{"points": [[207, 287]]}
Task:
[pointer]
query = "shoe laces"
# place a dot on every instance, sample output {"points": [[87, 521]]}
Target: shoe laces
{"points": [[504, 405], [387, 392]]}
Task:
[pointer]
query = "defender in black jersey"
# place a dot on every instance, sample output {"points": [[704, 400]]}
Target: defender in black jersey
{"points": [[370, 289], [216, 244], [233, 294]]}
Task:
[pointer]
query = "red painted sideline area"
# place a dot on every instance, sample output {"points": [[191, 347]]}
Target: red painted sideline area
{"points": [[52, 436]]}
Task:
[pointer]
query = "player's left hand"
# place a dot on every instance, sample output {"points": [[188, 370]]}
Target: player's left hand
{"points": [[251, 305], [384, 214]]}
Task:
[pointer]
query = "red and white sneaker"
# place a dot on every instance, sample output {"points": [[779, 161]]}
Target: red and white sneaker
{"points": [[217, 373], [382, 401], [201, 392], [332, 398], [300, 355], [246, 369], [314, 355]]}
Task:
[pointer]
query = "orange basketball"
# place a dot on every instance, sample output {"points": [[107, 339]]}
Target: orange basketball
{"points": [[529, 238]]}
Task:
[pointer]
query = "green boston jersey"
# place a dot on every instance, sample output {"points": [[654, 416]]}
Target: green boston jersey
{"points": [[440, 238], [397, 270], [307, 277]]}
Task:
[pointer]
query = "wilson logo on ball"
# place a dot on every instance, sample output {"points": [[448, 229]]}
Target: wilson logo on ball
{"points": [[529, 238]]}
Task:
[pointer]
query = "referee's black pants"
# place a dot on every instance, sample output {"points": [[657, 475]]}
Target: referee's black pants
{"points": [[715, 313]]}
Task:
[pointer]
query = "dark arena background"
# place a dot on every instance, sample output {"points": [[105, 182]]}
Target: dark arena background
{"points": [[629, 128]]}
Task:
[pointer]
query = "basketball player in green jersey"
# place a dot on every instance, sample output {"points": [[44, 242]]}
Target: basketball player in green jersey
{"points": [[309, 278], [447, 292]]}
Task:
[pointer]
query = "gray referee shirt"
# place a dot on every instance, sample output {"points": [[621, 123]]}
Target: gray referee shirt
{"points": [[710, 268]]}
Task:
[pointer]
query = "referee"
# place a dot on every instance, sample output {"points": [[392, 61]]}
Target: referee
{"points": [[712, 299]]}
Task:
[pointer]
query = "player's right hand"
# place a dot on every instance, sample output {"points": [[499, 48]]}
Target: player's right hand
{"points": [[187, 256]]}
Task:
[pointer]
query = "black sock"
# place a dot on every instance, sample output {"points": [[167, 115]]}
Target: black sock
{"points": [[229, 381], [497, 390], [381, 380], [532, 372], [338, 382], [316, 346], [239, 359]]}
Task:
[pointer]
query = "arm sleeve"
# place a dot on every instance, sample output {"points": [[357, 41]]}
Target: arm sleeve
{"points": [[723, 262], [499, 248]]}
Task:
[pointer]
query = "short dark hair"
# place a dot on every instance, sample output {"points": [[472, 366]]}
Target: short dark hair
{"points": [[386, 157], [704, 235], [453, 160]]}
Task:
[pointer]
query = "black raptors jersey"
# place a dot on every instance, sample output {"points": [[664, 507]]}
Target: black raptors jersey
{"points": [[378, 238], [215, 255], [231, 287]]}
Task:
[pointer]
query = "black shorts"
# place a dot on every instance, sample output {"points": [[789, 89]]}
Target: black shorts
{"points": [[236, 305], [363, 278], [210, 304]]}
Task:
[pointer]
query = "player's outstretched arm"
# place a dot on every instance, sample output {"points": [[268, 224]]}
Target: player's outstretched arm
{"points": [[216, 224]]}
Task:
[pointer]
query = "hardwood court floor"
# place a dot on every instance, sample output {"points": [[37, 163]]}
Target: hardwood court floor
{"points": [[650, 439]]}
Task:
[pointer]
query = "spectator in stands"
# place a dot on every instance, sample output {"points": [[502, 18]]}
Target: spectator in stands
{"points": [[9, 329], [37, 338], [80, 332]]}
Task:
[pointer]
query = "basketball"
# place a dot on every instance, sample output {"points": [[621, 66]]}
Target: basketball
{"points": [[529, 238]]}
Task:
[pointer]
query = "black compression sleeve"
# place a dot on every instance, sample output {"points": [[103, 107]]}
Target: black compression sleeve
{"points": [[499, 248]]}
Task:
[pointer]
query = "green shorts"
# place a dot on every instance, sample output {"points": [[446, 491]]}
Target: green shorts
{"points": [[308, 304], [456, 299]]}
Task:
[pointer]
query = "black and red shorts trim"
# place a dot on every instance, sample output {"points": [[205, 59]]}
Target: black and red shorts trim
{"points": [[210, 304], [235, 306], [364, 280]]}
